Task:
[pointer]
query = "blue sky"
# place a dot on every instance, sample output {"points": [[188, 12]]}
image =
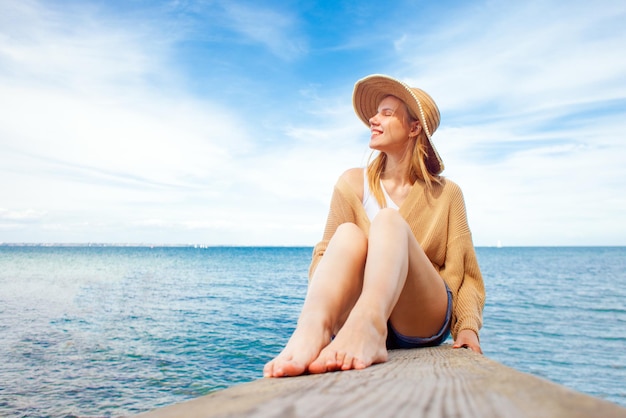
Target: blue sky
{"points": [[228, 122]]}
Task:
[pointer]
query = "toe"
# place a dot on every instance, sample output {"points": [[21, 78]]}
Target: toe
{"points": [[331, 361], [358, 364], [268, 370], [347, 362], [339, 359], [317, 366]]}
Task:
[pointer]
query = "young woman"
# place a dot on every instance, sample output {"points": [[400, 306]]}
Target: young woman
{"points": [[396, 267]]}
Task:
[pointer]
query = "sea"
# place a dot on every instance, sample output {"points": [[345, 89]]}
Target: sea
{"points": [[108, 331]]}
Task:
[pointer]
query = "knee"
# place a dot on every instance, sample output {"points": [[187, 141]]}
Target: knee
{"points": [[389, 221], [350, 238], [349, 229], [388, 217]]}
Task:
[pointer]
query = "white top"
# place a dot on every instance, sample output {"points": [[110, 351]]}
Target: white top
{"points": [[369, 201]]}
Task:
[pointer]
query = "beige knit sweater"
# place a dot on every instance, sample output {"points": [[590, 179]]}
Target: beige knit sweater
{"points": [[439, 222]]}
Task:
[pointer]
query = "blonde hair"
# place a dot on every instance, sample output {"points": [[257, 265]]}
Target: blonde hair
{"points": [[418, 170]]}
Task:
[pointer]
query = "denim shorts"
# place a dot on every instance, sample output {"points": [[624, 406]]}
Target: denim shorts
{"points": [[397, 340]]}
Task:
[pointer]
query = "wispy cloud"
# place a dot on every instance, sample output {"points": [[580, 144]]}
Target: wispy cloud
{"points": [[566, 55], [80, 47], [163, 123], [96, 130], [230, 25], [274, 29], [531, 97]]}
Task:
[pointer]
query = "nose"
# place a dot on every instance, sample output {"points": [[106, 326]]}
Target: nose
{"points": [[374, 120]]}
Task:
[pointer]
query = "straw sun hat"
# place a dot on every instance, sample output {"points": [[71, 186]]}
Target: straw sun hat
{"points": [[369, 91]]}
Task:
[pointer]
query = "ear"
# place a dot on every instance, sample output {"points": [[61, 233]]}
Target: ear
{"points": [[416, 127]]}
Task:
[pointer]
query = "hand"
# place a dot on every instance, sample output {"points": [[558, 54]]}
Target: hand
{"points": [[467, 339]]}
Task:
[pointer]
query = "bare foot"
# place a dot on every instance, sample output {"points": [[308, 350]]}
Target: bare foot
{"points": [[359, 344], [303, 347]]}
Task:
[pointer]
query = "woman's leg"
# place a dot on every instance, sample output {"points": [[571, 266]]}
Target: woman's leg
{"points": [[400, 285], [332, 292]]}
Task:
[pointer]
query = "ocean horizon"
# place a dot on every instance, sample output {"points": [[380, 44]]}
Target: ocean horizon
{"points": [[117, 329]]}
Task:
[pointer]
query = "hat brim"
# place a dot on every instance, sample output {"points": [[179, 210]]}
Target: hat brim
{"points": [[368, 93]]}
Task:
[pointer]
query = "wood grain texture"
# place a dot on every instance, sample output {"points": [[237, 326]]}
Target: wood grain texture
{"points": [[428, 382]]}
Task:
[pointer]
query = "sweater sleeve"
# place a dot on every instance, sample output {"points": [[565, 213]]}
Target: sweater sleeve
{"points": [[461, 271]]}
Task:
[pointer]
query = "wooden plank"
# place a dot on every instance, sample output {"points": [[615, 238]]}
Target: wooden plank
{"points": [[428, 382]]}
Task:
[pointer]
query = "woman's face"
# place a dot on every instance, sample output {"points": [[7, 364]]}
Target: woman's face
{"points": [[391, 126]]}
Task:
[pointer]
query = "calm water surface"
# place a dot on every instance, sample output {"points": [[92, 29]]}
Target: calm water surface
{"points": [[110, 331]]}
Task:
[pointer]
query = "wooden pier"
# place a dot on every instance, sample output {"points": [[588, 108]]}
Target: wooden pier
{"points": [[429, 382]]}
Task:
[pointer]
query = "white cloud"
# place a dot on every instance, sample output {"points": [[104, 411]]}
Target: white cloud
{"points": [[530, 128], [87, 140], [103, 139], [26, 215], [79, 47], [274, 29], [511, 55]]}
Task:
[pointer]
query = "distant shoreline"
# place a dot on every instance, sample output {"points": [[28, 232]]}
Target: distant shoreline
{"points": [[141, 245], [148, 245]]}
